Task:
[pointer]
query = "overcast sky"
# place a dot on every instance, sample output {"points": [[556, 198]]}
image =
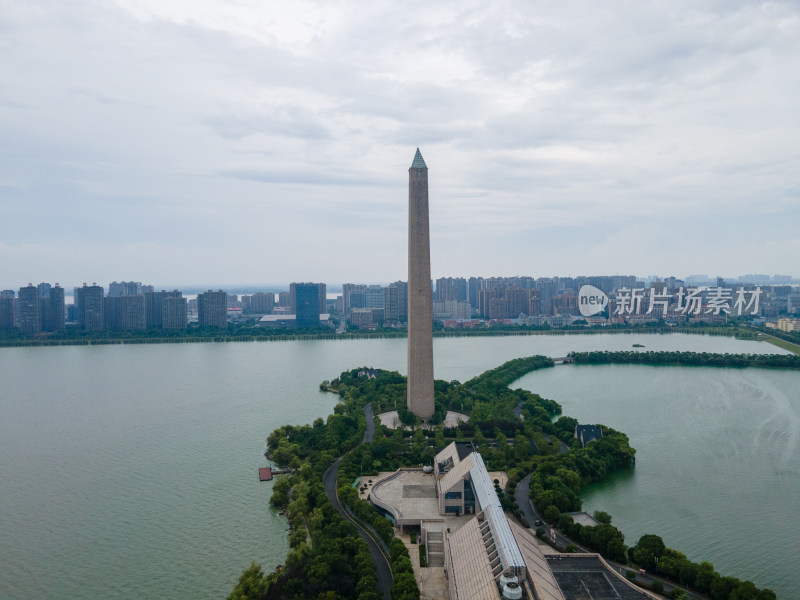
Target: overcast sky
{"points": [[180, 142]]}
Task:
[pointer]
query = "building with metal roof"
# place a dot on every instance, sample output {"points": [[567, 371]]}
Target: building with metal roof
{"points": [[485, 556]]}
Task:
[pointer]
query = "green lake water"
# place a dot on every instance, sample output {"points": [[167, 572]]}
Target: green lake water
{"points": [[131, 471], [717, 465]]}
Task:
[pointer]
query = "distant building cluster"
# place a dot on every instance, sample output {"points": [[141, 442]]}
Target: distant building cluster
{"points": [[128, 306], [34, 309], [553, 301], [786, 325], [458, 302]]}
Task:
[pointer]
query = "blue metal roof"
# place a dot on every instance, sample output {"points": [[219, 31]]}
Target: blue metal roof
{"points": [[510, 555]]}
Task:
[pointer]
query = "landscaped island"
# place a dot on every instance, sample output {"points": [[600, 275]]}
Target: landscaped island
{"points": [[688, 359], [328, 559]]}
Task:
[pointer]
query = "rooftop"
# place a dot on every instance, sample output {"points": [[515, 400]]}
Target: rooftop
{"points": [[412, 495]]}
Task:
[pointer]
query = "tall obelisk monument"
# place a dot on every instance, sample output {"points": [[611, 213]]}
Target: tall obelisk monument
{"points": [[420, 303]]}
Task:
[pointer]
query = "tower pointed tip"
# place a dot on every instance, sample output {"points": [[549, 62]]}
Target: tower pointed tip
{"points": [[419, 162]]}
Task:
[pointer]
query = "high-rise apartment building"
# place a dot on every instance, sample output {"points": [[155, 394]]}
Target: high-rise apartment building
{"points": [[323, 298], [212, 309], [548, 287], [8, 318], [124, 313], [458, 309], [152, 309], [29, 310], [498, 308], [322, 291], [485, 298], [51, 307], [565, 303], [307, 303], [165, 310], [374, 296], [125, 288], [793, 303], [89, 300], [233, 301], [353, 296], [519, 301], [474, 287], [259, 303], [450, 288], [173, 311], [535, 306], [396, 302], [54, 312]]}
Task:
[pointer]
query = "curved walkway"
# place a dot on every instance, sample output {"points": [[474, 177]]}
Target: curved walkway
{"points": [[383, 569]]}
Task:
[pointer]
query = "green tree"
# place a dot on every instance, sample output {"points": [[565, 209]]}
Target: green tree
{"points": [[522, 446], [565, 521], [653, 543], [721, 587], [402, 565], [689, 573], [704, 577], [551, 514], [438, 438], [745, 591], [643, 557], [405, 587], [252, 585], [602, 517]]}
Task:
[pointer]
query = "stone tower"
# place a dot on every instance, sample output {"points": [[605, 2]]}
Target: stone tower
{"points": [[420, 304]]}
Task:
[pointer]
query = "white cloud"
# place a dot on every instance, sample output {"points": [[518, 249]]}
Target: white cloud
{"points": [[186, 124]]}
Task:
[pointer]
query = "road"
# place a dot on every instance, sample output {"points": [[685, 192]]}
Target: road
{"points": [[522, 495], [518, 411], [382, 567]]}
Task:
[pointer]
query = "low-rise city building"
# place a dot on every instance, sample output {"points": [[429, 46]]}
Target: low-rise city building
{"points": [[484, 555]]}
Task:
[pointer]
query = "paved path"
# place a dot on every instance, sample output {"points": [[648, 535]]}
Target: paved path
{"points": [[780, 342], [382, 567], [518, 411], [370, 432]]}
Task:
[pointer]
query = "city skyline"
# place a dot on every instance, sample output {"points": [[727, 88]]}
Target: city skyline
{"points": [[213, 143], [337, 287]]}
